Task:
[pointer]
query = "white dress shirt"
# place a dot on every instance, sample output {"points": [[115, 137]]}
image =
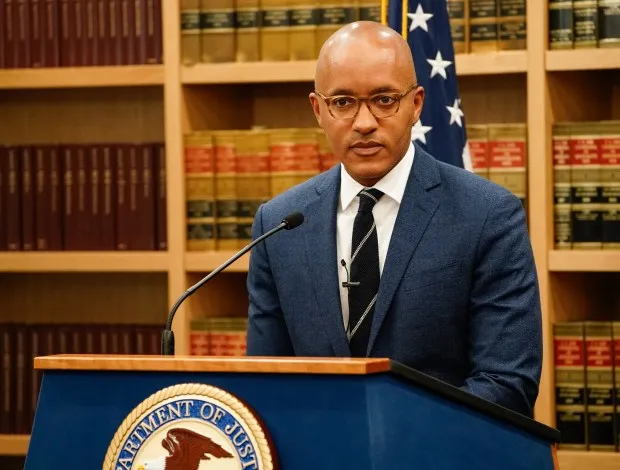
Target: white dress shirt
{"points": [[385, 211]]}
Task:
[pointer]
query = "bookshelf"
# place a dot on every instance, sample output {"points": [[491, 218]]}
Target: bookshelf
{"points": [[164, 102]]}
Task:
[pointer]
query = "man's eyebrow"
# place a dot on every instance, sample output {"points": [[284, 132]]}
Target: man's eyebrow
{"points": [[346, 91]]}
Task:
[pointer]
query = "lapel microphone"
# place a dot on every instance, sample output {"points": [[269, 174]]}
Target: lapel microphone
{"points": [[348, 283]]}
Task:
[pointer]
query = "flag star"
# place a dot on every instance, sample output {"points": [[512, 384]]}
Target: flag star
{"points": [[419, 130], [455, 113], [419, 19], [439, 65]]}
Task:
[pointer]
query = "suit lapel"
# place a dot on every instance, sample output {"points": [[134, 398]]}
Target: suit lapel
{"points": [[320, 240], [416, 210]]}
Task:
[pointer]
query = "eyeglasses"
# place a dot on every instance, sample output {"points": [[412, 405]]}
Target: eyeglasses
{"points": [[381, 105]]}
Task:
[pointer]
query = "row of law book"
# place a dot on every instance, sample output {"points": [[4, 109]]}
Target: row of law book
{"points": [[499, 153], [218, 336], [83, 197], [20, 343], [586, 185], [75, 33], [281, 30], [230, 173], [587, 384], [576, 24], [480, 26]]}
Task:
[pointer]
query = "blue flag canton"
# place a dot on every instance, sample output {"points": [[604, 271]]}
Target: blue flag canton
{"points": [[441, 128]]}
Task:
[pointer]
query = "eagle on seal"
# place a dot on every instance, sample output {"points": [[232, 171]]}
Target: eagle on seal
{"points": [[186, 450]]}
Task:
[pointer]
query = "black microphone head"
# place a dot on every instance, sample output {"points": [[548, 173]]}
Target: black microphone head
{"points": [[293, 220]]}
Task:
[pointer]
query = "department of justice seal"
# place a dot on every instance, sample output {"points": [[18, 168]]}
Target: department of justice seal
{"points": [[191, 427]]}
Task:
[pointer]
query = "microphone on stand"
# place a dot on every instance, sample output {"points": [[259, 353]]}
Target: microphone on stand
{"points": [[289, 222]]}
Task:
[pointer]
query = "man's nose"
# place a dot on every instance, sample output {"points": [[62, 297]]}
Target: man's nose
{"points": [[364, 122]]}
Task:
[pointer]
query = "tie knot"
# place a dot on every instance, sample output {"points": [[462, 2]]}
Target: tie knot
{"points": [[368, 198]]}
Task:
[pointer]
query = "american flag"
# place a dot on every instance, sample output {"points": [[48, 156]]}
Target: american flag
{"points": [[441, 127]]}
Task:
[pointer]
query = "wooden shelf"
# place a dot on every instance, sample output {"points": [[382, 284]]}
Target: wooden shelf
{"points": [[94, 261], [303, 71], [573, 260], [575, 460], [81, 77], [14, 445], [583, 59], [208, 261]]}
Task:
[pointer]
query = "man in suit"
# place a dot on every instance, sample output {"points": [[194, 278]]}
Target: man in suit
{"points": [[436, 262]]}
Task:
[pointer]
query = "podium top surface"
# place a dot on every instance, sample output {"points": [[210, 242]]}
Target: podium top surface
{"points": [[282, 365]]}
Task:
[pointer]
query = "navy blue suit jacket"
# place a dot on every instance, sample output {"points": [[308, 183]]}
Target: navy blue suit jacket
{"points": [[458, 298]]}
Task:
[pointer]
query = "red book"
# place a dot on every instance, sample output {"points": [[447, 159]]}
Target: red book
{"points": [[123, 202], [68, 51], [90, 53], [139, 31], [3, 196], [10, 31], [107, 198], [103, 47], [79, 32], [7, 378], [21, 412], [127, 30], [143, 233], [51, 38], [23, 34], [115, 31], [2, 34], [37, 33], [154, 51], [48, 194], [160, 196], [13, 200], [28, 196]]}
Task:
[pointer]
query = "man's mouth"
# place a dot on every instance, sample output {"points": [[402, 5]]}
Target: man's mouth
{"points": [[366, 148]]}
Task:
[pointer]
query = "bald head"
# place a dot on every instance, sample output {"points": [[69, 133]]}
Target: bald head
{"points": [[360, 39]]}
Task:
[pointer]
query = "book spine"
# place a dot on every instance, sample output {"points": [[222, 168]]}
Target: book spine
{"points": [[104, 46], [275, 30], [42, 199], [37, 33], [90, 51], [247, 25], [561, 31], [370, 10], [107, 201], [570, 384], [6, 378], [332, 15], [478, 141], [599, 386], [55, 172], [151, 38], [225, 191], [143, 234], [23, 34], [585, 23], [13, 200], [79, 38], [127, 32], [10, 34], [458, 26], [133, 192], [28, 198], [2, 35], [159, 52], [52, 33], [123, 202], [36, 349], [586, 183], [3, 196], [282, 161], [161, 197], [306, 151], [217, 31], [67, 32], [94, 189], [327, 159], [616, 369], [69, 209], [483, 34], [507, 158], [200, 192], [302, 36], [115, 31], [562, 187], [609, 23], [610, 180], [512, 29], [139, 31], [190, 32], [21, 411]]}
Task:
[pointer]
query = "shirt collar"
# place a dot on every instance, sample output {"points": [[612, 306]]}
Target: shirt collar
{"points": [[392, 185]]}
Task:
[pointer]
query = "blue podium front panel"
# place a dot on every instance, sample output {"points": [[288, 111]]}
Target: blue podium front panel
{"points": [[315, 421]]}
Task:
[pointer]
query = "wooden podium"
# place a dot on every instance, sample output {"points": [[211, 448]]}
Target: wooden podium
{"points": [[155, 412]]}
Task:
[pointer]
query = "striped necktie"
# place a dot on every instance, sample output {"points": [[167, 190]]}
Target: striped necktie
{"points": [[365, 270]]}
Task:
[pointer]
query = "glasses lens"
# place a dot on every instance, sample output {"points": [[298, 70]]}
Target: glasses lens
{"points": [[344, 107], [381, 106], [384, 105]]}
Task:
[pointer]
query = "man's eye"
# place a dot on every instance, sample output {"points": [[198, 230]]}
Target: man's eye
{"points": [[384, 100], [343, 102]]}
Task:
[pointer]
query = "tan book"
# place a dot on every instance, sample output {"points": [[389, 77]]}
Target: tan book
{"points": [[333, 15], [200, 191], [458, 12], [562, 186], [369, 10], [247, 38], [217, 31], [483, 34], [275, 30], [512, 30], [327, 159], [307, 154], [585, 24], [224, 145], [283, 160], [610, 184], [190, 31], [253, 179], [304, 20]]}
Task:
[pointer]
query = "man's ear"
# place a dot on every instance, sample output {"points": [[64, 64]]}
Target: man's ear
{"points": [[418, 102], [316, 108]]}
